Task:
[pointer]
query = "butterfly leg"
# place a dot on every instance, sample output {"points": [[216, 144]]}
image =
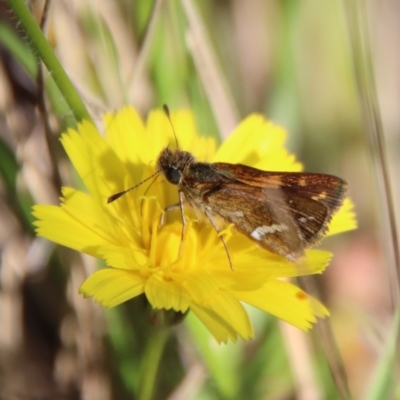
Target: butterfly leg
{"points": [[181, 197], [214, 225], [169, 208]]}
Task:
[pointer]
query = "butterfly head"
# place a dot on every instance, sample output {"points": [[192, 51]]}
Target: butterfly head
{"points": [[172, 163]]}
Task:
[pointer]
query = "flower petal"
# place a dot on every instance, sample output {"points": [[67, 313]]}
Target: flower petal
{"points": [[55, 224], [344, 220], [253, 268], [287, 302], [165, 293], [224, 317], [123, 257], [126, 135], [89, 212], [111, 287], [200, 285], [258, 143], [96, 163]]}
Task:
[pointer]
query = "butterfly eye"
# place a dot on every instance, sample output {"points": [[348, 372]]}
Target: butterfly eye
{"points": [[173, 175]]}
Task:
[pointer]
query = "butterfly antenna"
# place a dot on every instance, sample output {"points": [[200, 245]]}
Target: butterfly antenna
{"points": [[166, 110], [118, 195]]}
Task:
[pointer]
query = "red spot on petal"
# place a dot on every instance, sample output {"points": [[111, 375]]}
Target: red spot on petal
{"points": [[302, 295]]}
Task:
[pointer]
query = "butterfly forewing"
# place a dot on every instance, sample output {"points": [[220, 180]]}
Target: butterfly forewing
{"points": [[327, 189]]}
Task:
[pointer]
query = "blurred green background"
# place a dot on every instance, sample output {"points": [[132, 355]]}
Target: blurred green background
{"points": [[289, 60]]}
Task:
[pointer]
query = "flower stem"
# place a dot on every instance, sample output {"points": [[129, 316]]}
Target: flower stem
{"points": [[39, 43], [151, 361]]}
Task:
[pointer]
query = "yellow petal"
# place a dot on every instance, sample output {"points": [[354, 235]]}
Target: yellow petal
{"points": [[89, 212], [260, 265], [165, 293], [55, 224], [258, 143], [159, 133], [199, 284], [96, 163], [224, 317], [124, 257], [287, 302], [126, 135], [344, 220], [111, 287]]}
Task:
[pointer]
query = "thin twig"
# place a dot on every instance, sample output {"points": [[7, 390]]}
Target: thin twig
{"points": [[357, 19], [145, 47], [326, 341], [368, 100], [300, 357], [223, 107]]}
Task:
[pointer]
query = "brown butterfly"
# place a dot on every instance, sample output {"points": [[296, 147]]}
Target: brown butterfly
{"points": [[283, 212]]}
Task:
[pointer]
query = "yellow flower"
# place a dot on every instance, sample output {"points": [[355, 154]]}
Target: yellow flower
{"points": [[142, 257]]}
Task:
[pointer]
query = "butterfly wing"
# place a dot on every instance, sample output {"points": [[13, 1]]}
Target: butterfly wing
{"points": [[326, 189], [283, 212]]}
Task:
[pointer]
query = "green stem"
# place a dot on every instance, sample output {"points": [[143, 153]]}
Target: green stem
{"points": [[151, 361], [46, 54], [385, 380]]}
